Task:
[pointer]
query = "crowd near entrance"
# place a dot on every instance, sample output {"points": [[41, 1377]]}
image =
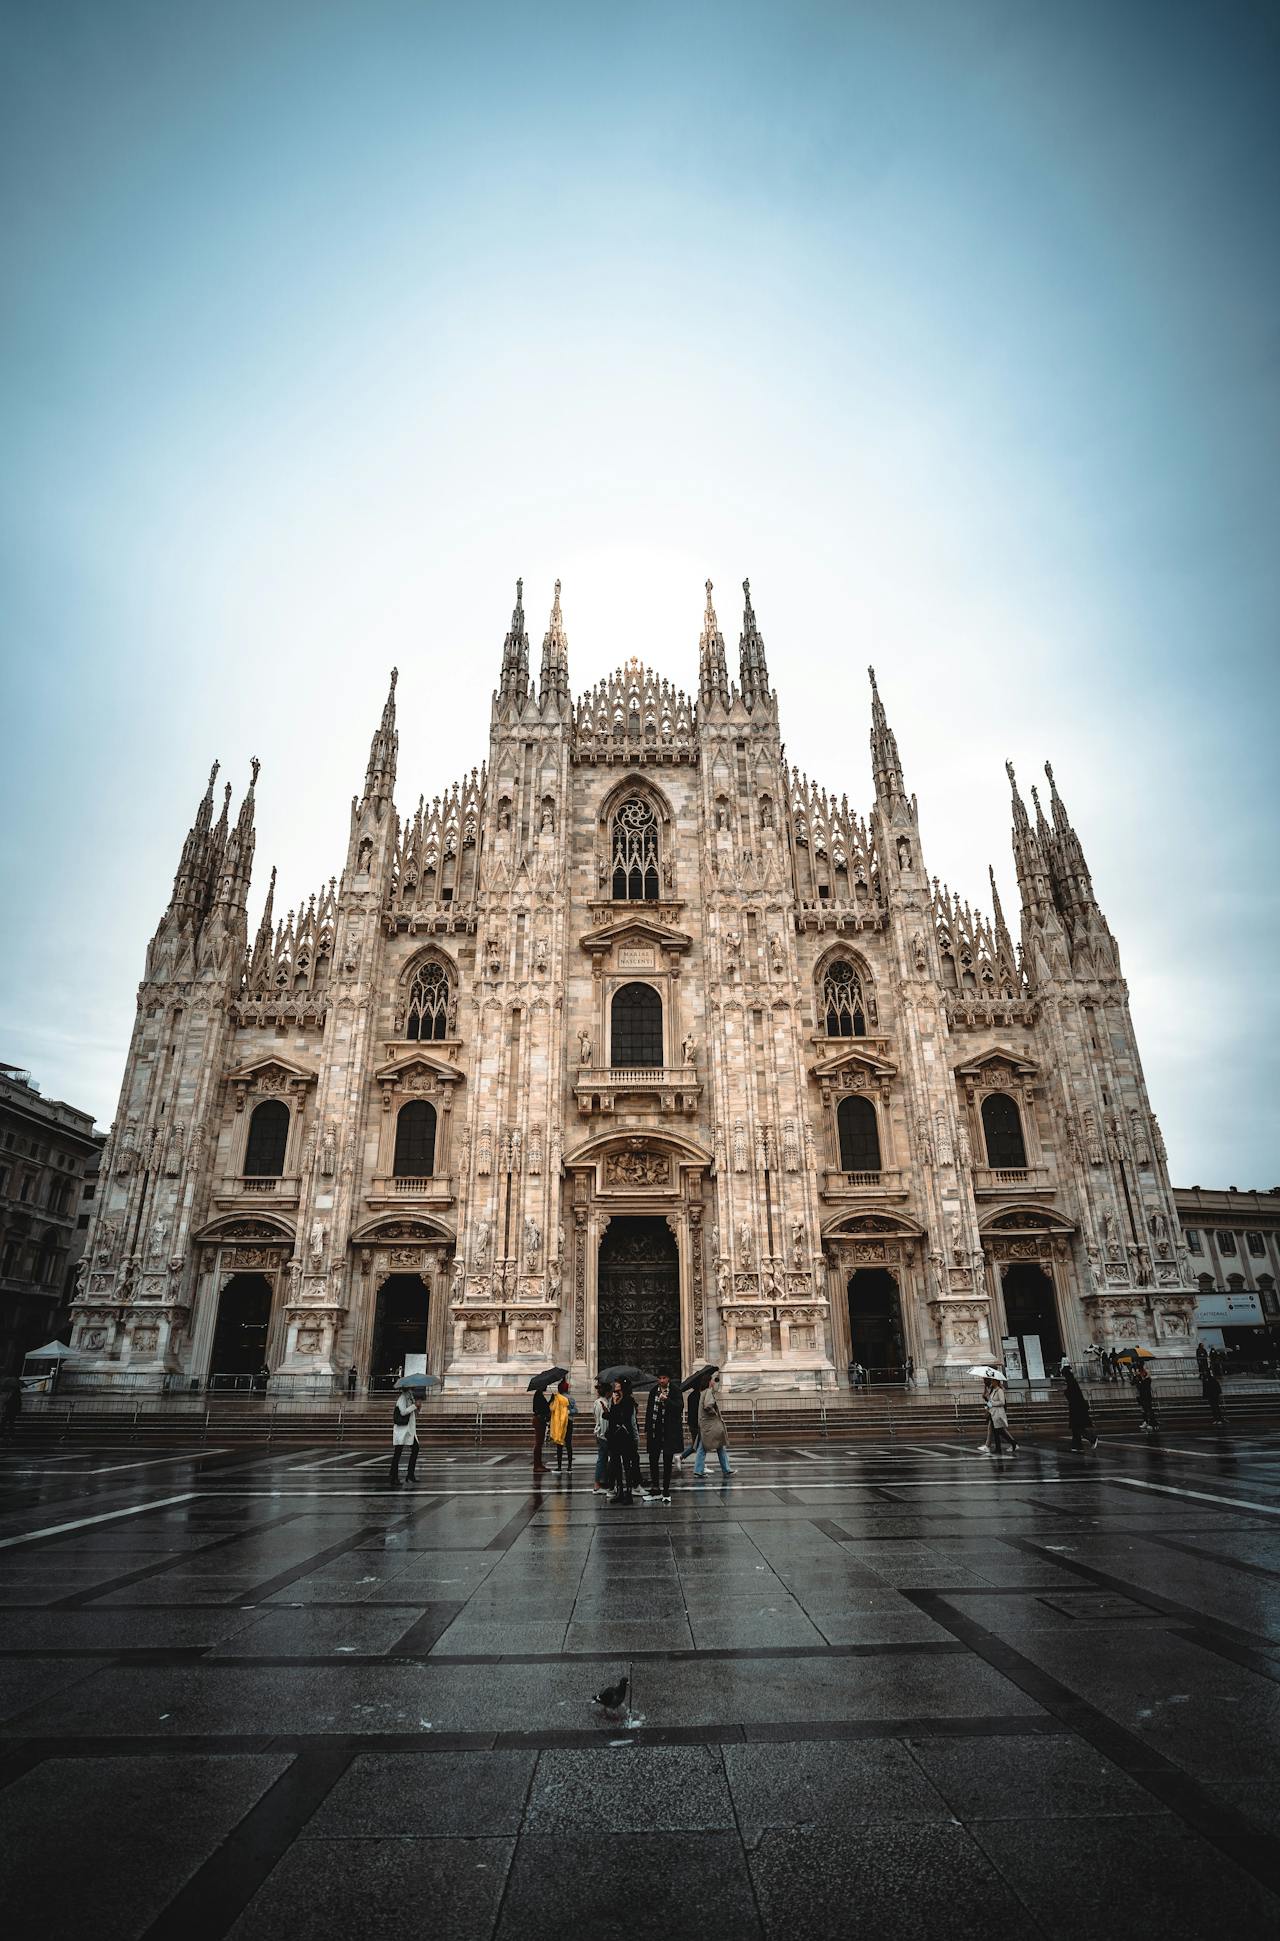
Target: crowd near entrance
{"points": [[876, 1339], [240, 1338], [639, 1296]]}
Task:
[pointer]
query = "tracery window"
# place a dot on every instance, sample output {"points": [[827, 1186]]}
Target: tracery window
{"points": [[636, 1035], [415, 1155], [1002, 1125], [268, 1137], [859, 1135], [635, 853], [842, 1001], [428, 1013]]}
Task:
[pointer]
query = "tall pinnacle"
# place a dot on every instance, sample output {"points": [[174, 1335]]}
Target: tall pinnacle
{"points": [[884, 747], [515, 655], [553, 683], [752, 667], [380, 776], [713, 671]]}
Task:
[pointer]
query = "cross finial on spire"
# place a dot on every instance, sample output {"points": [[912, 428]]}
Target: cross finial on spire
{"points": [[553, 683], [751, 661], [713, 672]]}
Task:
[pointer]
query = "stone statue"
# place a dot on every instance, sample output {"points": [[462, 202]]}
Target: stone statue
{"points": [[532, 1237], [315, 1245], [329, 1150], [584, 1047], [797, 1243], [744, 1243], [158, 1240], [957, 1235], [484, 1239], [689, 1049]]}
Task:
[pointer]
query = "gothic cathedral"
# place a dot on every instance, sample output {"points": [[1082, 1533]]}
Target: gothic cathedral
{"points": [[632, 1045]]}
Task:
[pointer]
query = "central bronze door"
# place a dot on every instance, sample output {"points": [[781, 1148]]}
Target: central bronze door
{"points": [[639, 1296]]}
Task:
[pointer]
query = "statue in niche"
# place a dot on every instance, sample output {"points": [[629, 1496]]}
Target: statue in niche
{"points": [[315, 1245], [904, 853], [1110, 1232], [689, 1049], [715, 1241], [158, 1240], [329, 1150], [532, 1238], [540, 955], [797, 1243], [584, 1046], [744, 1244], [777, 957], [957, 1236], [484, 1240], [364, 855], [548, 819]]}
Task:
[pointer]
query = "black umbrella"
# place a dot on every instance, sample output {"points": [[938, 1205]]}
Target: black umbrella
{"points": [[547, 1376], [628, 1372], [701, 1377]]}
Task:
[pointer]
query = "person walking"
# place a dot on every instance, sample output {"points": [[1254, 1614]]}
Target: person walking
{"points": [[621, 1437], [541, 1423], [1079, 1416], [691, 1419], [1146, 1397], [712, 1434], [909, 1374], [600, 1424], [563, 1410], [353, 1379], [663, 1433], [261, 1379], [404, 1435], [1212, 1387], [997, 1419]]}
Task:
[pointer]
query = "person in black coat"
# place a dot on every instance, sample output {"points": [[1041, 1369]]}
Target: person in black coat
{"points": [[691, 1419], [620, 1436], [541, 1422], [1079, 1417], [663, 1432]]}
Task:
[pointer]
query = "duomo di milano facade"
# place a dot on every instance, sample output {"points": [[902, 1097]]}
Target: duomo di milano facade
{"points": [[633, 1044]]}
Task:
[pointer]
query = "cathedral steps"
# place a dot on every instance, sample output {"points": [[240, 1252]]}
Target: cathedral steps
{"points": [[504, 1422]]}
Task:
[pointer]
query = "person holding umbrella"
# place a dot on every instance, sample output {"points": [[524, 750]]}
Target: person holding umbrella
{"points": [[997, 1416], [662, 1433], [1079, 1417], [1146, 1394], [404, 1434], [695, 1384], [538, 1385], [563, 1410]]}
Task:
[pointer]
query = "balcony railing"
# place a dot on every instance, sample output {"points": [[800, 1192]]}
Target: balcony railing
{"points": [[435, 1189], [886, 1183], [1011, 1179], [676, 1088], [279, 1189]]}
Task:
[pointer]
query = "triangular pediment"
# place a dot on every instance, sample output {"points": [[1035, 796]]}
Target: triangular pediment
{"points": [[418, 1063], [271, 1066], [853, 1056], [635, 929], [1017, 1061]]}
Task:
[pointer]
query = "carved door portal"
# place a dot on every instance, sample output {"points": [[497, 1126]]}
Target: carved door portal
{"points": [[639, 1296]]}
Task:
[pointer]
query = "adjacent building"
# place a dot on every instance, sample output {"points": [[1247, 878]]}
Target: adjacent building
{"points": [[49, 1156], [1233, 1243], [633, 1044]]}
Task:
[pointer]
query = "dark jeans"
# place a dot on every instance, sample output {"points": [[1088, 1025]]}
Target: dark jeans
{"points": [[395, 1462], [624, 1465], [996, 1434], [539, 1438], [664, 1456], [565, 1448]]}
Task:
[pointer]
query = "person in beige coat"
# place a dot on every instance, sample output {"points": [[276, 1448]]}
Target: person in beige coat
{"points": [[711, 1430]]}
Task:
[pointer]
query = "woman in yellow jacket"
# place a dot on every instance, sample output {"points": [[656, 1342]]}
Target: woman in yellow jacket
{"points": [[563, 1410]]}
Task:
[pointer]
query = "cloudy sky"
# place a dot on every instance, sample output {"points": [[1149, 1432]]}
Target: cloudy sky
{"points": [[954, 326]]}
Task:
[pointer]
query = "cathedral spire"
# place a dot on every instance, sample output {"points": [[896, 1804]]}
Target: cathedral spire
{"points": [[515, 655], [553, 684], [884, 748], [191, 885], [752, 667], [262, 943], [380, 776], [1004, 942], [713, 672], [236, 866], [1075, 883]]}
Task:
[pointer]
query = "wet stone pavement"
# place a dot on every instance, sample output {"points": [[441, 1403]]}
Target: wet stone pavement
{"points": [[895, 1691]]}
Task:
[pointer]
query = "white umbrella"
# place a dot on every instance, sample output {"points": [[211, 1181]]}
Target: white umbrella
{"points": [[989, 1374]]}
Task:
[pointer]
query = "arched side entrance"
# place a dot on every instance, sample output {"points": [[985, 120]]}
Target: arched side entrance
{"points": [[400, 1318], [875, 1323], [1031, 1315], [638, 1310], [240, 1337]]}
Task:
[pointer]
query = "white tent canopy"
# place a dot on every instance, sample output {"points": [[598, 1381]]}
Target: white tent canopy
{"points": [[55, 1351]]}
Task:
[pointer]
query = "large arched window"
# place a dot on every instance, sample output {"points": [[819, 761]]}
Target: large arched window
{"points": [[636, 1036], [428, 1011], [842, 1002], [859, 1135], [635, 853], [268, 1138], [415, 1141], [1002, 1127]]}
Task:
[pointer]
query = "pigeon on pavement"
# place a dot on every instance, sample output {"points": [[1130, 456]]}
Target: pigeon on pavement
{"points": [[613, 1697]]}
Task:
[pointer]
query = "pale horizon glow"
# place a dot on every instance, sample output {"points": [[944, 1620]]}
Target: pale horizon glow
{"points": [[954, 329]]}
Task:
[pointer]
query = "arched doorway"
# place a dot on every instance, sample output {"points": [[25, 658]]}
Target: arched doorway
{"points": [[638, 1314], [399, 1324], [1031, 1314], [240, 1338], [875, 1323]]}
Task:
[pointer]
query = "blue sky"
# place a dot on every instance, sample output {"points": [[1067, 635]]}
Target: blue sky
{"points": [[954, 326]]}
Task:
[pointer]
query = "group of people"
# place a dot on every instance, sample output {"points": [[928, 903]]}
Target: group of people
{"points": [[617, 1433]]}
